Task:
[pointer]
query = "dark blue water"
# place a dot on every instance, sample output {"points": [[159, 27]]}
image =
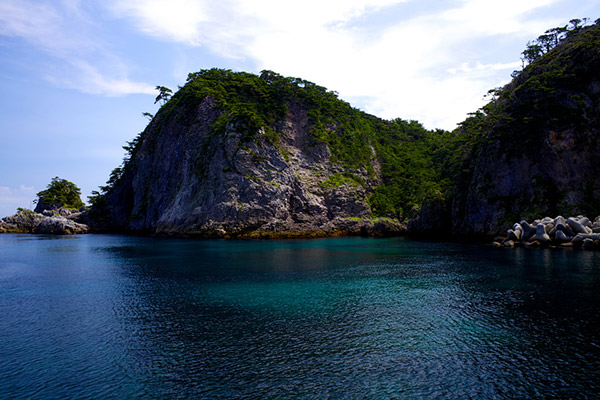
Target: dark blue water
{"points": [[117, 317]]}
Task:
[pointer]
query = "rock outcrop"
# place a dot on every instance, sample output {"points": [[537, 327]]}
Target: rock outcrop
{"points": [[62, 221], [58, 225], [186, 178], [578, 232], [24, 221]]}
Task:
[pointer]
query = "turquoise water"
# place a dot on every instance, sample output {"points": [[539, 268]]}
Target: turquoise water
{"points": [[108, 316]]}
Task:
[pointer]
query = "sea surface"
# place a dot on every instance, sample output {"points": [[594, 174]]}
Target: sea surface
{"points": [[118, 317]]}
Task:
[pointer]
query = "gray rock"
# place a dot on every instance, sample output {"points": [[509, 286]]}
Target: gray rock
{"points": [[514, 235], [565, 229], [58, 225], [560, 220], [24, 221], [517, 227], [204, 184], [549, 227], [585, 221], [540, 235], [588, 244], [387, 226], [560, 236], [580, 237], [576, 226], [547, 220], [528, 230]]}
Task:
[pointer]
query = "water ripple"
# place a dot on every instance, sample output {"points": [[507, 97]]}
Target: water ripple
{"points": [[121, 317]]}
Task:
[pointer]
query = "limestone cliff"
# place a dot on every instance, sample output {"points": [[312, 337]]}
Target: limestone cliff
{"points": [[209, 165]]}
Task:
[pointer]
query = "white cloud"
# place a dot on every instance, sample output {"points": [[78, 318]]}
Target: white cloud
{"points": [[13, 198], [89, 79], [178, 20], [66, 32], [469, 67], [425, 67], [433, 65]]}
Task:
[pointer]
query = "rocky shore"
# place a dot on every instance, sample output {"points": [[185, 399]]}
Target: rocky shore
{"points": [[559, 232], [61, 221]]}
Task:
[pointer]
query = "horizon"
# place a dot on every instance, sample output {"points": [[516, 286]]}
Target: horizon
{"points": [[77, 77]]}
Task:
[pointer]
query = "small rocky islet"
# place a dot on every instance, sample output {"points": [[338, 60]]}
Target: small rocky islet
{"points": [[59, 221]]}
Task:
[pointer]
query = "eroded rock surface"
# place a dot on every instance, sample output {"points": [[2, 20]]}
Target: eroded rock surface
{"points": [[185, 180]]}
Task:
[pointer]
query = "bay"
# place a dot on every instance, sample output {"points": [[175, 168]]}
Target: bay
{"points": [[121, 317]]}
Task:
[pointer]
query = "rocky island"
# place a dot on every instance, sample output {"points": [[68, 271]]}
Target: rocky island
{"points": [[59, 210], [238, 155]]}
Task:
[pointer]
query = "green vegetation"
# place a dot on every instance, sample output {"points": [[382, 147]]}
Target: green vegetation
{"points": [[551, 92], [555, 92], [413, 164], [61, 193], [255, 106], [339, 179]]}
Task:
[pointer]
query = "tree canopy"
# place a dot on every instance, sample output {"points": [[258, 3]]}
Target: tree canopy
{"points": [[60, 193]]}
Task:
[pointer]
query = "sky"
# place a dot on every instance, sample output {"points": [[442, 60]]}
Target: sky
{"points": [[77, 75]]}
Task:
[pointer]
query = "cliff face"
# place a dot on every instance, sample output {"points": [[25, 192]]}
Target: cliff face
{"points": [[536, 146], [238, 155], [188, 178]]}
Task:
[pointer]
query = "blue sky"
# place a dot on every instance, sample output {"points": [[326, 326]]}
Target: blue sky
{"points": [[77, 75]]}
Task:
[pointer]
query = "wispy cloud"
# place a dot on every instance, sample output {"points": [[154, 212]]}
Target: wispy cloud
{"points": [[88, 78], [67, 33], [425, 67], [13, 198]]}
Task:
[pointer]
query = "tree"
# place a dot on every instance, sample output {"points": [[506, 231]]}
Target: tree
{"points": [[59, 193], [577, 24], [531, 53], [164, 94]]}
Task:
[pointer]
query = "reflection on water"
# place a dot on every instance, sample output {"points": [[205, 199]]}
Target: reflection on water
{"points": [[103, 316]]}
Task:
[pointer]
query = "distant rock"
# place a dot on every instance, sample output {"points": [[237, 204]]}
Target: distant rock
{"points": [[58, 225], [59, 222], [24, 221]]}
